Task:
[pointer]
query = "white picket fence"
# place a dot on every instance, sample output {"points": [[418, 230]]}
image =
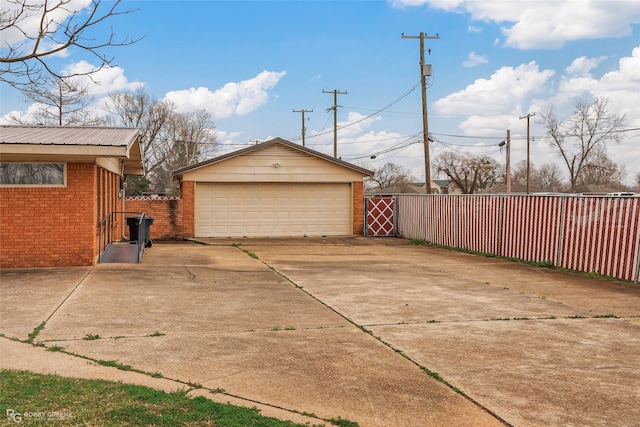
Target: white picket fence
{"points": [[590, 234]]}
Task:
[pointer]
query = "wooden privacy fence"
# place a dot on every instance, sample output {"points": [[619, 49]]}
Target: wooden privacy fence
{"points": [[590, 234]]}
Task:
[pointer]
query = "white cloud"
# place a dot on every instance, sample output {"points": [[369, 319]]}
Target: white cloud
{"points": [[582, 66], [232, 99], [28, 116], [357, 123], [103, 81], [550, 24], [546, 23], [474, 29], [493, 105], [29, 24], [503, 93], [619, 85], [99, 85], [475, 59], [354, 137]]}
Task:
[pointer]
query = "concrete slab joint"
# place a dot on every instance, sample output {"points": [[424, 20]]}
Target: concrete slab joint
{"points": [[376, 331]]}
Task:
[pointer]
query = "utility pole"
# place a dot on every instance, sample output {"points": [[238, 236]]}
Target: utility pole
{"points": [[425, 70], [507, 142], [528, 117], [304, 130], [335, 118]]}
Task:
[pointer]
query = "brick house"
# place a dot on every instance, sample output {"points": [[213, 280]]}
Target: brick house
{"points": [[272, 189], [59, 188]]}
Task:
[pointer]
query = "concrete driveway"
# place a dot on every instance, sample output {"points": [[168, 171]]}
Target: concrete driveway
{"points": [[354, 328]]}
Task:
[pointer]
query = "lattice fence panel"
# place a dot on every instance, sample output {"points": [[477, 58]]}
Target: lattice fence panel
{"points": [[381, 216]]}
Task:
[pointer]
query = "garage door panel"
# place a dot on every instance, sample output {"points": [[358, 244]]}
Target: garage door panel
{"points": [[205, 215], [272, 209]]}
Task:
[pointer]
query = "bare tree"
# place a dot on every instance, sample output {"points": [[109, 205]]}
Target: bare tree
{"points": [[33, 32], [169, 140], [470, 173], [519, 174], [546, 178], [57, 103], [599, 169], [390, 176], [550, 177], [139, 110], [185, 139], [592, 126]]}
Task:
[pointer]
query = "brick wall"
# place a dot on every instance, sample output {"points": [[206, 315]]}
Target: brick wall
{"points": [[167, 213], [358, 207], [174, 218], [46, 227], [188, 195]]}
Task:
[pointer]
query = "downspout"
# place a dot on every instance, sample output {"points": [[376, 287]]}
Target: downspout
{"points": [[123, 185]]}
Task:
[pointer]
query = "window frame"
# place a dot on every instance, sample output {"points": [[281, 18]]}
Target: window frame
{"points": [[61, 185]]}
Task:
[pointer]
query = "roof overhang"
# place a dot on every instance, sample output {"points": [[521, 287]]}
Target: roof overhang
{"points": [[72, 144], [308, 151]]}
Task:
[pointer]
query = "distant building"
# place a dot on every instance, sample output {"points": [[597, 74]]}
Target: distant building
{"points": [[412, 188]]}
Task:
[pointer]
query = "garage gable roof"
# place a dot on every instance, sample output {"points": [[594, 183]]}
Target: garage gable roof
{"points": [[266, 144], [74, 142]]}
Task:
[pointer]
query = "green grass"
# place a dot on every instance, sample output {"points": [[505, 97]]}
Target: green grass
{"points": [[55, 400], [251, 254], [91, 337], [114, 364], [544, 264], [35, 332]]}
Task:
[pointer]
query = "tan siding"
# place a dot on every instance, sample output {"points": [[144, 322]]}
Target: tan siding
{"points": [[259, 166]]}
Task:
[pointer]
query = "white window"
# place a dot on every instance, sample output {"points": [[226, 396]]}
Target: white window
{"points": [[32, 174]]}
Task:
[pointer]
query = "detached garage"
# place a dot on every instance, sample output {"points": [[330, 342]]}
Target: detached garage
{"points": [[274, 189]]}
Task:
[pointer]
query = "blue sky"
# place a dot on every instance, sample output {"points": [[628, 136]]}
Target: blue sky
{"points": [[250, 63]]}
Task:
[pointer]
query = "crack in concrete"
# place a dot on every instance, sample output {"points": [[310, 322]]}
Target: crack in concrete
{"points": [[70, 293], [396, 350]]}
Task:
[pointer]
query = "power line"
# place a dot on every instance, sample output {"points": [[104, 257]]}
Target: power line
{"points": [[404, 95], [407, 141]]}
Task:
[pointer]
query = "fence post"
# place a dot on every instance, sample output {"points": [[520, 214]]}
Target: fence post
{"points": [[500, 225], [636, 277], [425, 215], [561, 231], [365, 217], [395, 216]]}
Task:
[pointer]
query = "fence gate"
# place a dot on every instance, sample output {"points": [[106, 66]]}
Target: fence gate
{"points": [[381, 216]]}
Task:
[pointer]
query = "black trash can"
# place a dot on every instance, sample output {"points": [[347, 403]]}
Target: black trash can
{"points": [[134, 223]]}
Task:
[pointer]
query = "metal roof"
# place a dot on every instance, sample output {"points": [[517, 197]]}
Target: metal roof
{"points": [[265, 144], [68, 135]]}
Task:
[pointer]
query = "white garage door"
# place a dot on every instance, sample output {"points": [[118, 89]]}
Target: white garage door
{"points": [[272, 209]]}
